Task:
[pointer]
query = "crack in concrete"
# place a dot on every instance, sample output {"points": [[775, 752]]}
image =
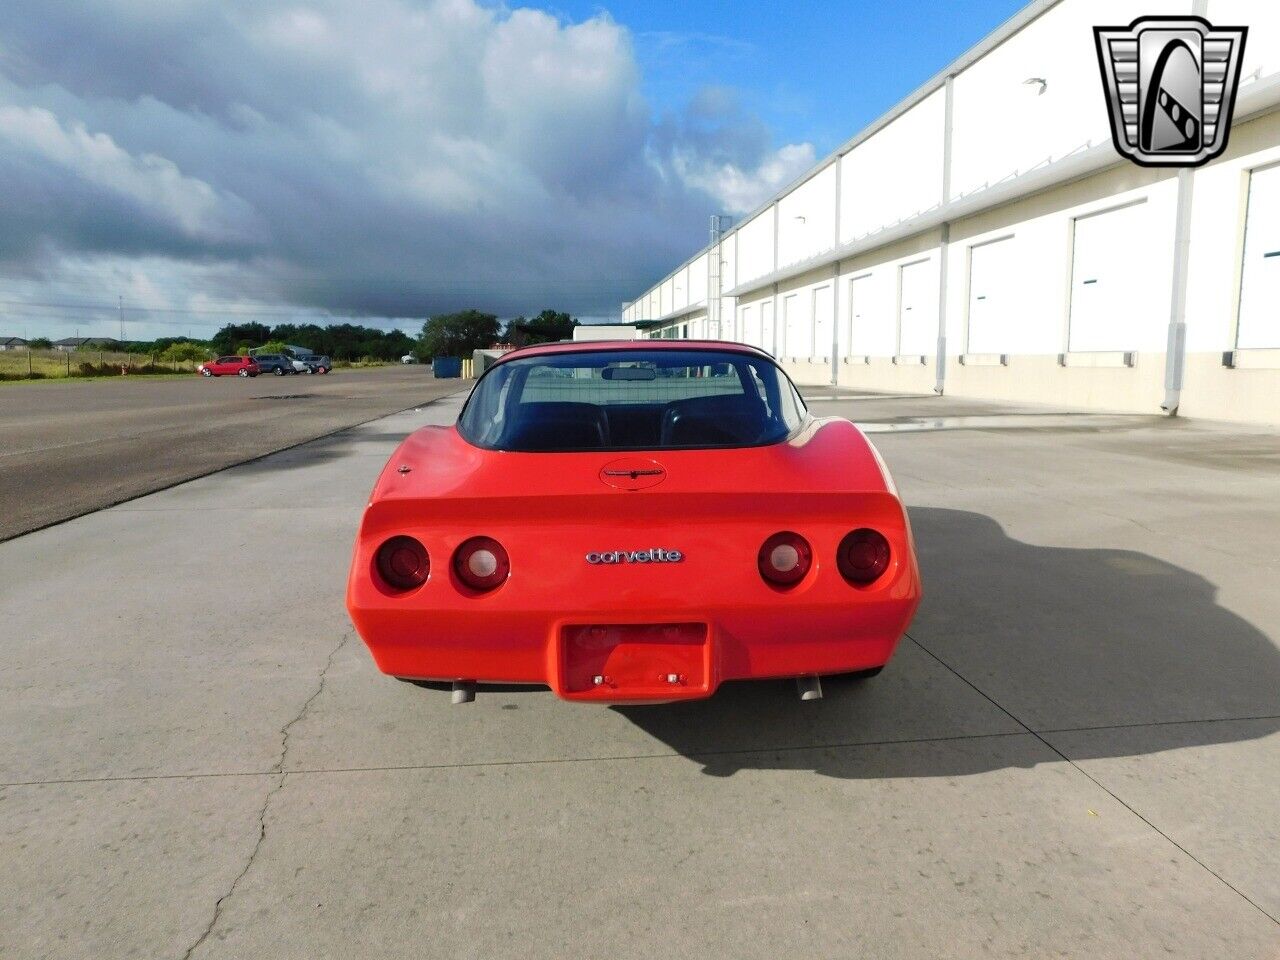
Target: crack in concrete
{"points": [[287, 729], [621, 758], [253, 855], [281, 776]]}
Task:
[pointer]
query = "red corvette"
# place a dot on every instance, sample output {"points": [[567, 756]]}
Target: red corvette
{"points": [[633, 521]]}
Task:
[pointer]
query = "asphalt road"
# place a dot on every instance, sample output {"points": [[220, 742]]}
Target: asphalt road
{"points": [[1075, 752], [71, 447]]}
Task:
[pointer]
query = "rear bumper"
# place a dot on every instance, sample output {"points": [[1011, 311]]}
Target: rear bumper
{"points": [[620, 631], [611, 656]]}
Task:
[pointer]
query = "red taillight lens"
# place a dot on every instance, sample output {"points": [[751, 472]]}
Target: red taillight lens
{"points": [[403, 563], [785, 558], [863, 556], [481, 563]]}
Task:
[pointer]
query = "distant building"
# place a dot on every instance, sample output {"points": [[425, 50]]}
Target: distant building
{"points": [[91, 343], [605, 331], [13, 343]]}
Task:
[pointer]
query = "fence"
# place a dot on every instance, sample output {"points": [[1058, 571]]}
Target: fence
{"points": [[25, 364]]}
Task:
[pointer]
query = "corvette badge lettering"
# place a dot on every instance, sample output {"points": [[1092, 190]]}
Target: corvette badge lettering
{"points": [[655, 555]]}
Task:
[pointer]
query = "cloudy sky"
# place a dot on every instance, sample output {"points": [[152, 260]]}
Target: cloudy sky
{"points": [[209, 160]]}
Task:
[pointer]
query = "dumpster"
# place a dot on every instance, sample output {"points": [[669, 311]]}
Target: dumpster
{"points": [[446, 368]]}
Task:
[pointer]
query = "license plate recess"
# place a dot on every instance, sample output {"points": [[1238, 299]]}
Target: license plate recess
{"points": [[650, 661]]}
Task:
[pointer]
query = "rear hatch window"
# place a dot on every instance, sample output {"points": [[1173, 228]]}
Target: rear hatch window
{"points": [[632, 400]]}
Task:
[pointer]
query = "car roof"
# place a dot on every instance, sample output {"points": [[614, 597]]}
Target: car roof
{"points": [[598, 346]]}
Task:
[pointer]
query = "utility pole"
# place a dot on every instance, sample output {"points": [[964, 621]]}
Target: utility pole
{"points": [[121, 305]]}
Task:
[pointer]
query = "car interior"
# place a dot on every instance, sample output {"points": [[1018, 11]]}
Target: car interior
{"points": [[723, 420]]}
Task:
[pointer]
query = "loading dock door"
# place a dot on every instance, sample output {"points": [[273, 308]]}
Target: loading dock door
{"points": [[990, 282], [1260, 280], [918, 309], [798, 334], [750, 326], [872, 330], [1115, 298], [823, 305]]}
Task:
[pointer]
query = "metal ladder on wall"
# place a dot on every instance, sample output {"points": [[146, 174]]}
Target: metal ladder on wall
{"points": [[719, 224]]}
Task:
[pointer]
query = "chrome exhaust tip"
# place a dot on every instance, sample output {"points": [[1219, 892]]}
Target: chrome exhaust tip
{"points": [[809, 688]]}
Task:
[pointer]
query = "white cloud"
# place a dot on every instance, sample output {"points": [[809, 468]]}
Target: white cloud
{"points": [[740, 190], [150, 181], [391, 157]]}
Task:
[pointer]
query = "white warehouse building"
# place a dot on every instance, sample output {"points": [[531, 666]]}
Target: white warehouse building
{"points": [[985, 239]]}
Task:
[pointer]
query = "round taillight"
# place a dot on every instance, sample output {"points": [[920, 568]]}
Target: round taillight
{"points": [[863, 556], [403, 563], [482, 563], [784, 558]]}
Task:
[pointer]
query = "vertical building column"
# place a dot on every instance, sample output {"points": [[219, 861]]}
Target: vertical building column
{"points": [[1175, 355], [944, 244], [1176, 348], [776, 320], [739, 333], [835, 282]]}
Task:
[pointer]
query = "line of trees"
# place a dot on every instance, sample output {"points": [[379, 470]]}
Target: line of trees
{"points": [[171, 348], [340, 341], [458, 334], [444, 335], [165, 348], [547, 327]]}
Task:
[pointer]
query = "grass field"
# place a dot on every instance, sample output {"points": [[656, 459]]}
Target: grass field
{"points": [[23, 365], [57, 364]]}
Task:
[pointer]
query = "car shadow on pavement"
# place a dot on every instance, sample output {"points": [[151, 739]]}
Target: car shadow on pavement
{"points": [[341, 445], [1011, 638]]}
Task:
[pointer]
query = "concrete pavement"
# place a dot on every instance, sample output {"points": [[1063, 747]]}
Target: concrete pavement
{"points": [[1076, 753]]}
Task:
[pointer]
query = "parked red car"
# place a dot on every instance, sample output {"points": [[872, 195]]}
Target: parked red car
{"points": [[230, 366]]}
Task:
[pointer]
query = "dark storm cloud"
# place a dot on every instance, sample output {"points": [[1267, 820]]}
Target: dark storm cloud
{"points": [[387, 158]]}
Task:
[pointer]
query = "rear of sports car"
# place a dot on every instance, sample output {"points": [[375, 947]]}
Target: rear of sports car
{"points": [[634, 536]]}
